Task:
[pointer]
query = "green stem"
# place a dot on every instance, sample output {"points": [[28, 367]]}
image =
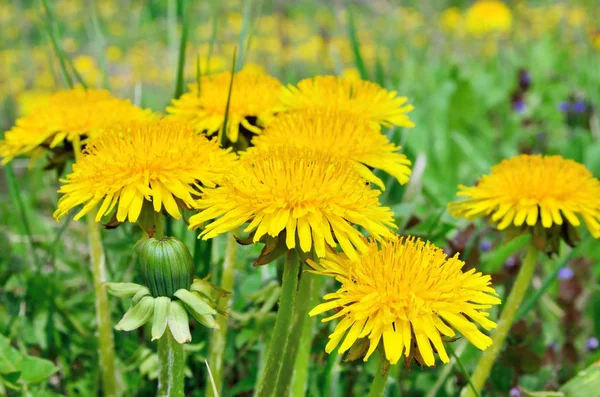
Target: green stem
{"points": [[300, 378], [282, 331], [106, 345], [219, 335], [522, 284], [106, 349], [379, 381], [300, 339], [171, 366]]}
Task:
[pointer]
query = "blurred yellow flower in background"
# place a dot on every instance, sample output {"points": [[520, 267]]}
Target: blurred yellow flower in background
{"points": [[254, 101], [408, 294], [340, 135], [303, 193], [67, 115], [160, 161], [488, 16], [451, 19]]}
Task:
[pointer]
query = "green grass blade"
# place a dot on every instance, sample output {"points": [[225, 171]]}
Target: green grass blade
{"points": [[223, 131], [198, 75], [358, 59], [179, 80], [64, 61], [213, 35], [15, 195], [462, 368], [532, 299], [100, 41], [502, 253], [50, 31]]}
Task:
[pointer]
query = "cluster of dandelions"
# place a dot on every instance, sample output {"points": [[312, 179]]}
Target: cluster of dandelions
{"points": [[301, 181]]}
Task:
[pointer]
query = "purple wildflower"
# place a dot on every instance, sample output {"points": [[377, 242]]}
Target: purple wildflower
{"points": [[485, 245], [578, 107], [592, 344], [565, 274], [519, 105], [564, 106]]}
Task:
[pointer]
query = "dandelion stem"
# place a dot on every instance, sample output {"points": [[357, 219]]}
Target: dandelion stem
{"points": [[171, 366], [219, 335], [300, 377], [488, 358], [283, 324], [300, 339], [106, 346], [379, 381]]}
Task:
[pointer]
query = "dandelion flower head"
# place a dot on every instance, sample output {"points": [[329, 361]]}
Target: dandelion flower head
{"points": [[360, 97], [67, 115], [254, 100], [161, 161], [488, 16], [407, 294], [311, 197], [532, 189], [341, 135]]}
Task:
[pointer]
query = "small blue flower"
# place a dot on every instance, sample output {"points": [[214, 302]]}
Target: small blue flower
{"points": [[564, 106], [519, 106], [515, 392], [578, 107], [592, 344], [565, 274], [510, 262], [485, 245]]}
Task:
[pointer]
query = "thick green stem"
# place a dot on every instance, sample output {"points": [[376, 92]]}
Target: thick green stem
{"points": [[106, 348], [171, 366], [219, 335], [282, 331], [379, 381], [488, 358], [300, 375], [300, 340]]}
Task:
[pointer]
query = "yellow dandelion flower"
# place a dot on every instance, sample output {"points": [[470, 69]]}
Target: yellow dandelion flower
{"points": [[160, 161], [254, 100], [408, 294], [67, 115], [488, 16], [299, 191], [364, 98], [338, 134], [533, 189]]}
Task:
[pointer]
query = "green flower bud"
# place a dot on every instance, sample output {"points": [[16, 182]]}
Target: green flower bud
{"points": [[167, 266]]}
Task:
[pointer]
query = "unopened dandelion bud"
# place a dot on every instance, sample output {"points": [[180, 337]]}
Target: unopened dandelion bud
{"points": [[167, 266]]}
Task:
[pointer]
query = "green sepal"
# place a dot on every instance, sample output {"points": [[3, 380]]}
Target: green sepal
{"points": [[206, 319], [142, 292], [123, 290], [357, 350], [274, 248], [178, 322], [137, 315], [159, 320], [207, 289], [194, 303]]}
